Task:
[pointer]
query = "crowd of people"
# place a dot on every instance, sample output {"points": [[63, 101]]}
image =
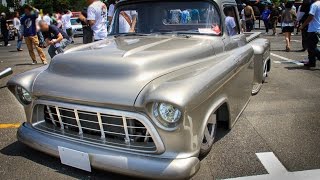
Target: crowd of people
{"points": [[306, 19], [55, 32]]}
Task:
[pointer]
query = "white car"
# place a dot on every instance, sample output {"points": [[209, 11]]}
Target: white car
{"points": [[76, 27]]}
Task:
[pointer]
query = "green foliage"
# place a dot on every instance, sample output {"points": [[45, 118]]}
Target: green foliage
{"points": [[4, 9]]}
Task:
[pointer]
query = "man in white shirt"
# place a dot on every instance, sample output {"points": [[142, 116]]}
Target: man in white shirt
{"points": [[127, 21], [97, 18], [47, 18], [230, 22], [66, 23], [313, 39]]}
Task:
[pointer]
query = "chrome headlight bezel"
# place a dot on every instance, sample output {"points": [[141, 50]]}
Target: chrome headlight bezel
{"points": [[23, 95], [167, 114]]}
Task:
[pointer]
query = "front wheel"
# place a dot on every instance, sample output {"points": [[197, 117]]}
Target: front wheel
{"points": [[208, 137]]}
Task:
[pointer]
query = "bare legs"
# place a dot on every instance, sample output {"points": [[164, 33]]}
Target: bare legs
{"points": [[287, 36]]}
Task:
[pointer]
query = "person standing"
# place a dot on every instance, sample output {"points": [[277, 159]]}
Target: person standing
{"points": [[47, 18], [249, 17], [313, 39], [87, 31], [288, 16], [274, 17], [230, 23], [29, 31], [111, 10], [265, 16], [55, 38], [66, 23], [97, 18], [17, 24], [5, 29], [243, 19], [305, 8]]}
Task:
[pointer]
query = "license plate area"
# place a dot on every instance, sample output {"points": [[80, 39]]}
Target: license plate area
{"points": [[74, 158]]}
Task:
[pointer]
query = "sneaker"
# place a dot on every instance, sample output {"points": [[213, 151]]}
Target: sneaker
{"points": [[8, 45], [19, 49], [310, 65], [34, 62], [44, 62], [305, 61]]}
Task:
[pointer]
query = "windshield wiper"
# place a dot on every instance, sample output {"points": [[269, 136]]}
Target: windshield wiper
{"points": [[131, 34]]}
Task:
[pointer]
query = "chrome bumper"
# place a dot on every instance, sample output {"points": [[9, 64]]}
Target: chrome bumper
{"points": [[109, 160]]}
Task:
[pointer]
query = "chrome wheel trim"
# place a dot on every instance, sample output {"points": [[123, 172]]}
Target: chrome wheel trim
{"points": [[209, 133], [265, 72]]}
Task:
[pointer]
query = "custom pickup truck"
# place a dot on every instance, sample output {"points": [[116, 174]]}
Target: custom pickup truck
{"points": [[147, 100]]}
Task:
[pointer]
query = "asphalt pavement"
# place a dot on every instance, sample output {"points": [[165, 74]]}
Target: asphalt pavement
{"points": [[283, 118]]}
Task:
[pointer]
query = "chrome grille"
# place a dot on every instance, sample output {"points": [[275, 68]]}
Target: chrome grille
{"points": [[96, 127]]}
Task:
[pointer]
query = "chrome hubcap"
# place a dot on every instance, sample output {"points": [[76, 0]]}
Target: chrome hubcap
{"points": [[209, 132]]}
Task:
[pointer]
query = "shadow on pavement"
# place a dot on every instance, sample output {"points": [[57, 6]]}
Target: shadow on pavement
{"points": [[19, 149], [302, 68]]}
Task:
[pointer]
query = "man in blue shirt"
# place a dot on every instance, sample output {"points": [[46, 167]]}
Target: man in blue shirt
{"points": [[29, 31], [313, 39]]}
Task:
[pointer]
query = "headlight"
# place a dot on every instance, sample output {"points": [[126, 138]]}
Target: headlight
{"points": [[23, 95], [167, 114]]}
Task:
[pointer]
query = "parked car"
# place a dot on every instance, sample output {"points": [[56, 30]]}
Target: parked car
{"points": [[145, 103], [76, 27]]}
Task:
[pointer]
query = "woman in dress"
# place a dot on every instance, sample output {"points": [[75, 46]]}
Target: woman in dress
{"points": [[289, 17]]}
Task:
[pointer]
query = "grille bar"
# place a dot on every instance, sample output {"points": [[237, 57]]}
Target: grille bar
{"points": [[103, 136], [127, 139], [78, 121], [59, 117], [50, 114], [98, 125]]}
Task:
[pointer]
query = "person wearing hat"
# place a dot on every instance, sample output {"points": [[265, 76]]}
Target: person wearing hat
{"points": [[5, 29]]}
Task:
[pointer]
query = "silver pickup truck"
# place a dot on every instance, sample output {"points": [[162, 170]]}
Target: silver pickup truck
{"points": [[147, 100]]}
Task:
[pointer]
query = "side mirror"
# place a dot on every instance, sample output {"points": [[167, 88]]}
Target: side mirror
{"points": [[5, 73]]}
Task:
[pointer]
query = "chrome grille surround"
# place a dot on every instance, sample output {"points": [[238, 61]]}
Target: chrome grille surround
{"points": [[99, 126]]}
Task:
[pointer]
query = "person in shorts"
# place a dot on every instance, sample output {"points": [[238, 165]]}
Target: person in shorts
{"points": [[289, 17]]}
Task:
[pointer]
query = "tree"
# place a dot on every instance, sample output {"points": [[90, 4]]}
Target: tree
{"points": [[4, 9]]}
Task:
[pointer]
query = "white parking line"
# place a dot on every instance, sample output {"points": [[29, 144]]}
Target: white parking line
{"points": [[285, 60], [278, 172]]}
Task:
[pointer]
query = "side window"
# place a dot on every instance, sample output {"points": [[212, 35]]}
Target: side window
{"points": [[231, 20]]}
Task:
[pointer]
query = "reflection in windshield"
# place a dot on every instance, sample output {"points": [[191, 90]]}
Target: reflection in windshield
{"points": [[167, 17]]}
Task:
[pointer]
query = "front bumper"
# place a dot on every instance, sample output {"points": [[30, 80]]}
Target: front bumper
{"points": [[115, 161]]}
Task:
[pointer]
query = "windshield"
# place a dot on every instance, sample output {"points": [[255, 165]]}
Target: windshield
{"points": [[74, 22], [167, 17]]}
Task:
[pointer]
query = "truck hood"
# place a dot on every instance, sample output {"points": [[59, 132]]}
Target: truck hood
{"points": [[113, 72]]}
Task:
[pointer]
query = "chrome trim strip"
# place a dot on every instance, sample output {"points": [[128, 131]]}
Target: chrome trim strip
{"points": [[78, 121], [103, 136], [59, 117], [134, 115]]}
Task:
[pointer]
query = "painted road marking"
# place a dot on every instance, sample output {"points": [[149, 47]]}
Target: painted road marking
{"points": [[285, 60], [271, 163], [7, 126], [278, 172]]}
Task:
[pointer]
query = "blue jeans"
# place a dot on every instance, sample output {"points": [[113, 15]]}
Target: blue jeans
{"points": [[53, 50], [19, 42]]}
